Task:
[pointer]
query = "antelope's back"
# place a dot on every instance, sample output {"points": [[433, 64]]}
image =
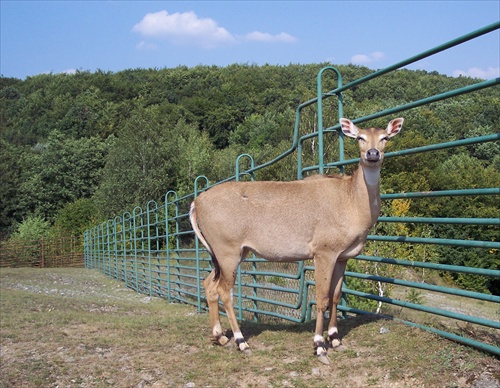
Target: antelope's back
{"points": [[284, 212]]}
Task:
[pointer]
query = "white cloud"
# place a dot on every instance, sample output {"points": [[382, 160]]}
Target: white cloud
{"points": [[360, 59], [476, 72], [69, 71], [266, 37], [188, 29], [183, 29]]}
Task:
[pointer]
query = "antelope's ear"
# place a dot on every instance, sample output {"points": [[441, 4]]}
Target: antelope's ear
{"points": [[394, 127], [349, 128]]}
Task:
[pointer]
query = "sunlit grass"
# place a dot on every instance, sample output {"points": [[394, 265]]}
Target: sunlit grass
{"points": [[78, 328]]}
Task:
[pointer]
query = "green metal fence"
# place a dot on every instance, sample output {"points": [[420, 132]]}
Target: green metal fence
{"points": [[153, 249]]}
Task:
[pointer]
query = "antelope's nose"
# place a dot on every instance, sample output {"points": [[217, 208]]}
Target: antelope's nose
{"points": [[373, 155]]}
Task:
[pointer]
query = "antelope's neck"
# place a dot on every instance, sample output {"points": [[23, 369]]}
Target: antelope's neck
{"points": [[368, 190]]}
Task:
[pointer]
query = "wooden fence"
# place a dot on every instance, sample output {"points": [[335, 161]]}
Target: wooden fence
{"points": [[43, 253]]}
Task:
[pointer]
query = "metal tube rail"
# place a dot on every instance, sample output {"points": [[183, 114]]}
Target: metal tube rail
{"points": [[427, 309], [443, 193], [428, 287], [427, 265], [440, 241], [437, 220], [442, 47]]}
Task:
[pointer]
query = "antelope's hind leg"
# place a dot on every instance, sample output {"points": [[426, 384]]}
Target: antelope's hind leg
{"points": [[210, 284], [223, 288], [225, 291]]}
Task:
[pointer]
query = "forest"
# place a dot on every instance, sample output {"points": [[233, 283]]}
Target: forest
{"points": [[77, 149]]}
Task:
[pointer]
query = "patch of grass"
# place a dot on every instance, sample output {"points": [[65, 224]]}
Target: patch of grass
{"points": [[75, 327]]}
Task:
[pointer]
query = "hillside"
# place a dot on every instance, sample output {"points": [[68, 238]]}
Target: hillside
{"points": [[77, 149]]}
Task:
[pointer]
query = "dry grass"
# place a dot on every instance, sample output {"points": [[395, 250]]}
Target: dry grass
{"points": [[77, 328]]}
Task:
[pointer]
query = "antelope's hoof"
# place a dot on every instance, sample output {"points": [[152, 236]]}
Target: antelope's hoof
{"points": [[335, 343], [222, 340], [247, 352], [323, 358]]}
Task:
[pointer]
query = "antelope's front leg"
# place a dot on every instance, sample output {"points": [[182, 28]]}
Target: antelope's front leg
{"points": [[323, 274], [336, 287]]}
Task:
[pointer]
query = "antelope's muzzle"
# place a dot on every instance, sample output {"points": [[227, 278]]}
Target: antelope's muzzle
{"points": [[373, 155]]}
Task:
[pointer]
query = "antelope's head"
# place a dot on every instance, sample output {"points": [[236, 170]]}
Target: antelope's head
{"points": [[371, 141]]}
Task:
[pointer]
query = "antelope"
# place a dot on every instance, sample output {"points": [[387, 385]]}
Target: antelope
{"points": [[323, 218]]}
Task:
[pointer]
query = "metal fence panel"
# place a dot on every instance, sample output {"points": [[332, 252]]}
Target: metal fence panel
{"points": [[154, 251]]}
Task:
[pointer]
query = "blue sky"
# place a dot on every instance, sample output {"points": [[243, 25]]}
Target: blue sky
{"points": [[64, 36]]}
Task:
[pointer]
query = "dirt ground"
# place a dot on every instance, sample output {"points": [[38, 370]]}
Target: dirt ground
{"points": [[77, 328]]}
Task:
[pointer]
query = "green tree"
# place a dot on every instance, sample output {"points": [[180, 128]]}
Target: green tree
{"points": [[190, 154], [76, 217], [138, 167], [11, 168], [31, 228], [486, 152], [61, 171], [83, 115], [258, 130]]}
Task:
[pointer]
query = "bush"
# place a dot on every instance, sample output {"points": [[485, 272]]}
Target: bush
{"points": [[76, 217], [32, 228]]}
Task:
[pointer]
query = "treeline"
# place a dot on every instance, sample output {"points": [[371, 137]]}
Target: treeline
{"points": [[77, 149]]}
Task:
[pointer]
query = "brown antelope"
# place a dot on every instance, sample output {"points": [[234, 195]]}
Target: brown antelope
{"points": [[322, 218]]}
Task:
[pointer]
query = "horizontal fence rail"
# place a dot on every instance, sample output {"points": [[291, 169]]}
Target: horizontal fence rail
{"points": [[153, 249]]}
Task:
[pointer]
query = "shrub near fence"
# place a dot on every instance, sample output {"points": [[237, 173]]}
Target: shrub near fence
{"points": [[42, 253]]}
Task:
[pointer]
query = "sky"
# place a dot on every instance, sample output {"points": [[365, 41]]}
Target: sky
{"points": [[68, 36]]}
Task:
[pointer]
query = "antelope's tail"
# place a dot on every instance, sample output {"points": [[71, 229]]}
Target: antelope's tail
{"points": [[199, 234]]}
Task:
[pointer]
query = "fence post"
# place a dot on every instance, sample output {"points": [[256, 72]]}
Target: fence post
{"points": [[240, 291], [197, 244]]}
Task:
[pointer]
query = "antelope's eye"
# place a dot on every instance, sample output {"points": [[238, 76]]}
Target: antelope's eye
{"points": [[385, 138], [359, 138]]}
